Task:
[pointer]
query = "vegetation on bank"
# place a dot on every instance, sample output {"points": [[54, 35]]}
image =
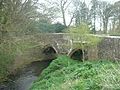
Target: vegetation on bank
{"points": [[67, 74], [7, 53], [83, 36], [9, 49]]}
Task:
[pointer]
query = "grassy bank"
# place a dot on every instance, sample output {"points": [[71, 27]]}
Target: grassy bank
{"points": [[66, 74]]}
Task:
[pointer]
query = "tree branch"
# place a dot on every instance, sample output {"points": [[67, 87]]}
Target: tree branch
{"points": [[71, 20]]}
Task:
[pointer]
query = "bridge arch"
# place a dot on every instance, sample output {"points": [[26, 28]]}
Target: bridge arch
{"points": [[76, 54], [49, 52]]}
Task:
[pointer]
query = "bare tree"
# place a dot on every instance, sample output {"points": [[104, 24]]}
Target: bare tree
{"points": [[18, 14], [62, 6], [116, 17], [105, 12], [94, 10], [81, 12]]}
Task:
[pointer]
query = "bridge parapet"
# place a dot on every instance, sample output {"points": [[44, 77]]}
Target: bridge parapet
{"points": [[63, 43]]}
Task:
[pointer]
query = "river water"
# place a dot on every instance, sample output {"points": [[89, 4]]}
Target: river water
{"points": [[25, 77]]}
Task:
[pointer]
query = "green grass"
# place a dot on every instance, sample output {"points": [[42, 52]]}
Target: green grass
{"points": [[67, 74]]}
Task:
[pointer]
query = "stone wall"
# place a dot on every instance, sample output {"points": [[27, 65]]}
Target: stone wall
{"points": [[109, 48]]}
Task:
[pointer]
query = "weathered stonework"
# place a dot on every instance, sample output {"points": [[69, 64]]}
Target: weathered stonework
{"points": [[62, 43], [109, 48]]}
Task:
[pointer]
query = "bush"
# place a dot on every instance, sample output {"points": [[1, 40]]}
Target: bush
{"points": [[66, 74], [7, 52]]}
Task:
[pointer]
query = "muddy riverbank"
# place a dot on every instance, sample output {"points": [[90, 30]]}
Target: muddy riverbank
{"points": [[26, 76]]}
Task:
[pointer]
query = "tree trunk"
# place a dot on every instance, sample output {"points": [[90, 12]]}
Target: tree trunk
{"points": [[83, 58], [83, 55], [113, 26], [94, 30], [63, 14], [119, 20], [105, 25]]}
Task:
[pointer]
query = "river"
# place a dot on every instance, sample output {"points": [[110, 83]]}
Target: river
{"points": [[25, 77]]}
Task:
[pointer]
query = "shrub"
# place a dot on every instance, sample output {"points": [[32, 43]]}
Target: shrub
{"points": [[7, 52], [66, 74]]}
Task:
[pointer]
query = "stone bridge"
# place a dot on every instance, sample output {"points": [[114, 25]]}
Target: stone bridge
{"points": [[48, 46]]}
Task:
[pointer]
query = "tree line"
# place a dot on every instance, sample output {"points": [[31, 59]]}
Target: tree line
{"points": [[31, 16], [96, 14]]}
